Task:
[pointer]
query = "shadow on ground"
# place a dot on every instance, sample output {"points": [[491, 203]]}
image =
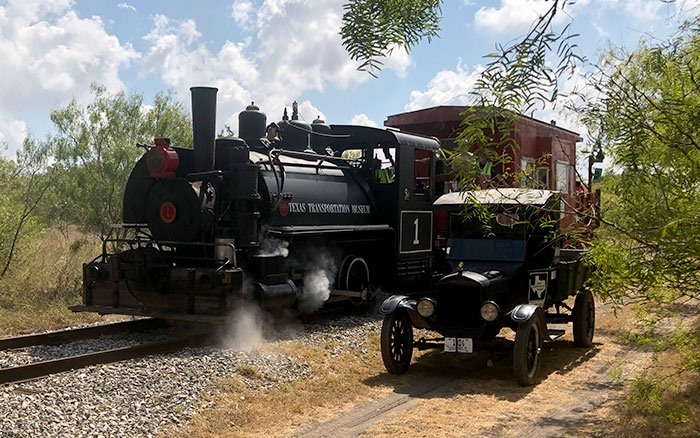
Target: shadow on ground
{"points": [[438, 374]]}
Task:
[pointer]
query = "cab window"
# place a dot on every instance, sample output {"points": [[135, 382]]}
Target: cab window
{"points": [[421, 171]]}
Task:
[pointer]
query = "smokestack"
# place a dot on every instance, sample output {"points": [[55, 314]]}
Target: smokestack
{"points": [[204, 126]]}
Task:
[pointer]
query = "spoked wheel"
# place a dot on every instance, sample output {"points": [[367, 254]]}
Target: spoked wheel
{"points": [[354, 276], [527, 351], [584, 319], [397, 342]]}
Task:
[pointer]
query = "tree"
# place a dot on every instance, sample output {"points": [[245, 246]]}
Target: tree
{"points": [[25, 184], [96, 148], [647, 116], [372, 29]]}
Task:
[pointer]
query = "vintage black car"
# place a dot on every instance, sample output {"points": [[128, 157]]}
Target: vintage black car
{"points": [[505, 268]]}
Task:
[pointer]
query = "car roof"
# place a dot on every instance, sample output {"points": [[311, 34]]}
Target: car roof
{"points": [[499, 196]]}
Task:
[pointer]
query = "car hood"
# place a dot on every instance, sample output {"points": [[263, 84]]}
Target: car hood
{"points": [[481, 275]]}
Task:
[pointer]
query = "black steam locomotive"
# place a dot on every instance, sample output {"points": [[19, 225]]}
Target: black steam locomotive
{"points": [[287, 214]]}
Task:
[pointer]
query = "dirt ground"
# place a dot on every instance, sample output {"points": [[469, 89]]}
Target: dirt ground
{"points": [[581, 392]]}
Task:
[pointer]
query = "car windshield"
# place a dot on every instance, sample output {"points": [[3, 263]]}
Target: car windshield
{"points": [[502, 250]]}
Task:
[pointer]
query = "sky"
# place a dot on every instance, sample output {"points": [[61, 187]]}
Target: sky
{"points": [[271, 52]]}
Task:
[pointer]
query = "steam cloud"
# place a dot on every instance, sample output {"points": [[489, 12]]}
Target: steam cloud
{"points": [[245, 328], [319, 274], [274, 247]]}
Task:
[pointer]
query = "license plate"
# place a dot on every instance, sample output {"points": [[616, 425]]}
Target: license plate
{"points": [[459, 345]]}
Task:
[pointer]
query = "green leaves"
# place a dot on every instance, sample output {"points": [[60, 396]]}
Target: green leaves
{"points": [[372, 29], [95, 149], [647, 116]]}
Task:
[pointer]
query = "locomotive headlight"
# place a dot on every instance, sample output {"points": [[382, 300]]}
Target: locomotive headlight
{"points": [[425, 307], [490, 311]]}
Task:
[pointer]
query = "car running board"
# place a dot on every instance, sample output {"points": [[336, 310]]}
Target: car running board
{"points": [[555, 333]]}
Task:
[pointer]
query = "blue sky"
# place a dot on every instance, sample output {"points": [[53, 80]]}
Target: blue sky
{"points": [[272, 52]]}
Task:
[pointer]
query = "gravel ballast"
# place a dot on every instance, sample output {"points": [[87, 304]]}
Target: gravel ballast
{"points": [[142, 397]]}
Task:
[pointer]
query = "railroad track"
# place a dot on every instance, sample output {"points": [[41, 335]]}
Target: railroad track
{"points": [[23, 373]]}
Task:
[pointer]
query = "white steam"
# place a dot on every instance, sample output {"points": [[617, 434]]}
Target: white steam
{"points": [[319, 274], [245, 328], [271, 246]]}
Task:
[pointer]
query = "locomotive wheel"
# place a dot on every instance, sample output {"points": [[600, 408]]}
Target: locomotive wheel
{"points": [[397, 342], [584, 319], [354, 276], [527, 351]]}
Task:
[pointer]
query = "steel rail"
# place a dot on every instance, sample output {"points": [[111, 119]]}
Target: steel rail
{"points": [[70, 335], [36, 370]]}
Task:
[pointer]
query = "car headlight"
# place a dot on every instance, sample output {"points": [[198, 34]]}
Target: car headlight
{"points": [[490, 311], [425, 307]]}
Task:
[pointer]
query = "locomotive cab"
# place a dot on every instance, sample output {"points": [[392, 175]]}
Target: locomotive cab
{"points": [[400, 171]]}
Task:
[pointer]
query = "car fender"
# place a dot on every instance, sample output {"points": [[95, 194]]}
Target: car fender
{"points": [[394, 302], [524, 312]]}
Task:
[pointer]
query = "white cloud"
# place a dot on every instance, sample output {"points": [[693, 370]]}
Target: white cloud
{"points": [[363, 120], [126, 6], [517, 16], [242, 12], [643, 10], [294, 48], [512, 15], [308, 112], [398, 61], [299, 44], [12, 133], [181, 61], [50, 55], [447, 87]]}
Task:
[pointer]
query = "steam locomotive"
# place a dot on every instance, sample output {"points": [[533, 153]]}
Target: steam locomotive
{"points": [[287, 214]]}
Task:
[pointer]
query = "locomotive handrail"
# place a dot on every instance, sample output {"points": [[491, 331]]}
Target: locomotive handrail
{"points": [[320, 134], [342, 163], [310, 229], [147, 239], [280, 185], [199, 175]]}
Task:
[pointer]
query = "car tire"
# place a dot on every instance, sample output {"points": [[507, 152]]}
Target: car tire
{"points": [[528, 350], [584, 319], [397, 342]]}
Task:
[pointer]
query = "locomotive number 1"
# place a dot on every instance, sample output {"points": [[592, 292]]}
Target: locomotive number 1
{"points": [[416, 241], [416, 231]]}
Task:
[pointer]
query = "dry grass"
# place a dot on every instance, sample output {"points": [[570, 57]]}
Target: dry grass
{"points": [[494, 402], [664, 400], [44, 280], [245, 410]]}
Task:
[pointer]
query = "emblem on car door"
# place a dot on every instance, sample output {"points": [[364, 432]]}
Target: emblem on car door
{"points": [[538, 286]]}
